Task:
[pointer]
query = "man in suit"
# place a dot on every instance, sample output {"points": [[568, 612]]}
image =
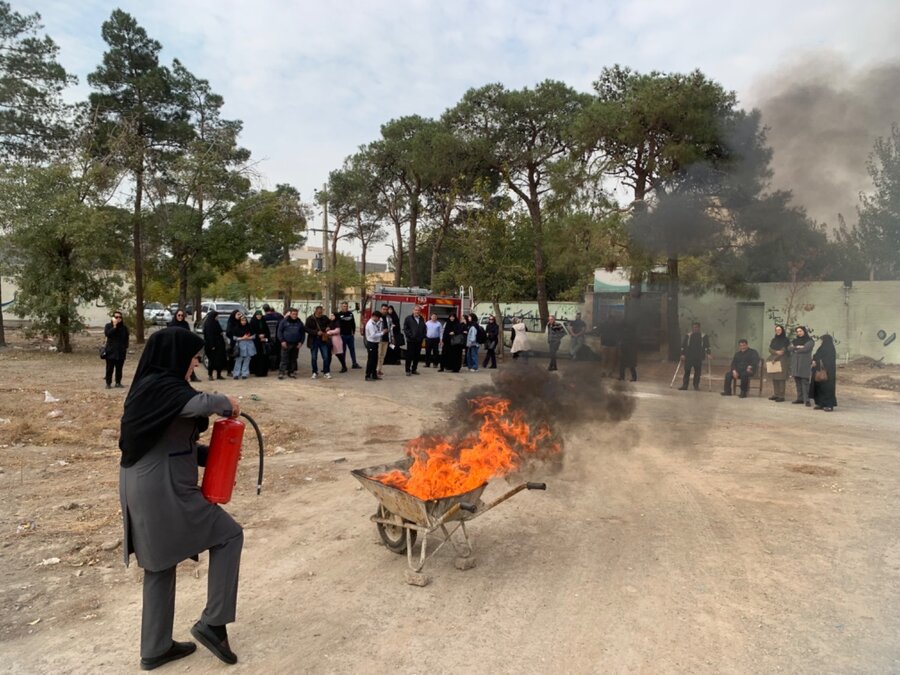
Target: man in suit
{"points": [[414, 332]]}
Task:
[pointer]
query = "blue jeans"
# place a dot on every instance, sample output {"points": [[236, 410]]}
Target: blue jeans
{"points": [[319, 346], [350, 346], [241, 366], [472, 358]]}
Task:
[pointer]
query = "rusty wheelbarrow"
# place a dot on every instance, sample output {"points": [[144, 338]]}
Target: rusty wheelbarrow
{"points": [[402, 517]]}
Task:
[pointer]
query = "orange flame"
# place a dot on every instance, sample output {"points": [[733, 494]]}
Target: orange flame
{"points": [[443, 467]]}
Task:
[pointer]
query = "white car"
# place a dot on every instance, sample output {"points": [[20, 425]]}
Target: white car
{"points": [[155, 313]]}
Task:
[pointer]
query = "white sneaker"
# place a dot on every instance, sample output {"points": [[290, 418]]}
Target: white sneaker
{"points": [[315, 376], [327, 376]]}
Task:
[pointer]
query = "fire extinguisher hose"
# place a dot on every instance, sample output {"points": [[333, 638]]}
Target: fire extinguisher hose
{"points": [[259, 478]]}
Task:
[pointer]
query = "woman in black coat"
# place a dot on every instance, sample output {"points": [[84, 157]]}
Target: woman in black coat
{"points": [[396, 338], [178, 321], [214, 345], [116, 348], [451, 354], [492, 330], [825, 359], [259, 364]]}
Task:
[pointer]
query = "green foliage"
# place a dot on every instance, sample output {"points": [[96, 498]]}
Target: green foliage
{"points": [[274, 220], [59, 246], [32, 114], [877, 235]]}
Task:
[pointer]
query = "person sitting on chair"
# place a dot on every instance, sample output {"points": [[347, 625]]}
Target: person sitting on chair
{"points": [[743, 367]]}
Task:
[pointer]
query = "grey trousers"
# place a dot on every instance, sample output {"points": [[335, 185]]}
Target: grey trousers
{"points": [[158, 613], [778, 388], [802, 388]]}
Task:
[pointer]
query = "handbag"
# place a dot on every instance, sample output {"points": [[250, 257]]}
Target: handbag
{"points": [[103, 353], [773, 367], [458, 340], [491, 344], [821, 375]]}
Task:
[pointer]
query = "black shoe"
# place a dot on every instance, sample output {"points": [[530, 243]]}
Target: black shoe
{"points": [[440, 370], [357, 366], [178, 650], [684, 388], [280, 376], [415, 372], [743, 394], [809, 404], [800, 402], [726, 393], [208, 639], [772, 398], [343, 370], [827, 409], [819, 407], [779, 400]]}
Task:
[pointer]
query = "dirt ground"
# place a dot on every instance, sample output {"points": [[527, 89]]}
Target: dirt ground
{"points": [[702, 535]]}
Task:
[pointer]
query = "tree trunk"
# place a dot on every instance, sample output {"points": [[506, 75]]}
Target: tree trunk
{"points": [[63, 339], [540, 278], [398, 254], [413, 223], [138, 256], [364, 287], [2, 331], [673, 333], [438, 244], [182, 283]]}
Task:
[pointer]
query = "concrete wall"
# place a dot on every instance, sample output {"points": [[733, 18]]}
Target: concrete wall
{"points": [[852, 315]]}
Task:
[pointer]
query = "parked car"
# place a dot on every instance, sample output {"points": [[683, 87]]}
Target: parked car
{"points": [[188, 309], [224, 307], [222, 319], [156, 314]]}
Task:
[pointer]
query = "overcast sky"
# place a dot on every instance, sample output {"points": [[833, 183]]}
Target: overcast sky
{"points": [[314, 80]]}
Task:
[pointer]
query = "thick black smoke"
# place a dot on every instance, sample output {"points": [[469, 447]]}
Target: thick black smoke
{"points": [[563, 401], [823, 117]]}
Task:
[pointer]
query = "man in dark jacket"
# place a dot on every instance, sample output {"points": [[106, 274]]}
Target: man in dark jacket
{"points": [[744, 365], [290, 336], [116, 349], [318, 342], [555, 333], [348, 332], [414, 332], [694, 348]]}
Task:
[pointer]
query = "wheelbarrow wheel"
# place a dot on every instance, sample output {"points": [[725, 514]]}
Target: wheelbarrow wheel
{"points": [[393, 536]]}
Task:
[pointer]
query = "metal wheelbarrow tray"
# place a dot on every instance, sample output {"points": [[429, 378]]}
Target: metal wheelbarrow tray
{"points": [[401, 517]]}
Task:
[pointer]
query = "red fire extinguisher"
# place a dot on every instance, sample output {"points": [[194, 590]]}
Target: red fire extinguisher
{"points": [[222, 460]]}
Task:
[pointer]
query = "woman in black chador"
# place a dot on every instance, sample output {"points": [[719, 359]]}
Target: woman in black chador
{"points": [[454, 342], [214, 345], [825, 359], [165, 516]]}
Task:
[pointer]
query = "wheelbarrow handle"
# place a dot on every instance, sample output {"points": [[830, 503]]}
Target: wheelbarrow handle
{"points": [[536, 486], [465, 506]]}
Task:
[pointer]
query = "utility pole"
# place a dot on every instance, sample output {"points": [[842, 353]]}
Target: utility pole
{"points": [[327, 294]]}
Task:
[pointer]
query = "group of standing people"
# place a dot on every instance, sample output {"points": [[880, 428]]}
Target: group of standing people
{"points": [[814, 373]]}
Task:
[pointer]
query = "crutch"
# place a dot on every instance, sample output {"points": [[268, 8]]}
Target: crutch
{"points": [[677, 368]]}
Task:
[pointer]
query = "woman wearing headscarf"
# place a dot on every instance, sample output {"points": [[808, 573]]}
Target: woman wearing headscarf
{"points": [[214, 345], [800, 349], [179, 321], [395, 337], [778, 353], [262, 336], [165, 516], [825, 360], [454, 341]]}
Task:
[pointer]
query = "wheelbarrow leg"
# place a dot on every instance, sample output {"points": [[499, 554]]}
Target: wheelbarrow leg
{"points": [[413, 575]]}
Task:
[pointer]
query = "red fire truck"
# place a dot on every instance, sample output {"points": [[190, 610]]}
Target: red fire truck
{"points": [[404, 299]]}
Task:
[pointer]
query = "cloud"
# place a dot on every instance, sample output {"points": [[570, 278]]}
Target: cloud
{"points": [[313, 80]]}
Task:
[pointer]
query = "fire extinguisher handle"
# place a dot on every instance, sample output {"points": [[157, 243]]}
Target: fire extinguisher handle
{"points": [[536, 486]]}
